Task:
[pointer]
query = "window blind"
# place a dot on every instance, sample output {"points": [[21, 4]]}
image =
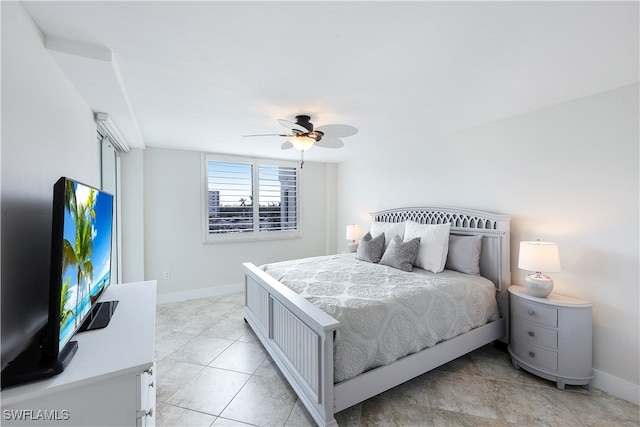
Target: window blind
{"points": [[250, 198]]}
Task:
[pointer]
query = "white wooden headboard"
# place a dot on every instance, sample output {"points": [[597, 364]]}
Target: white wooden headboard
{"points": [[495, 257]]}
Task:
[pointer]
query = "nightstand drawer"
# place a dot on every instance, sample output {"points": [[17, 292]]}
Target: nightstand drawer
{"points": [[535, 312], [534, 333], [551, 337], [535, 355]]}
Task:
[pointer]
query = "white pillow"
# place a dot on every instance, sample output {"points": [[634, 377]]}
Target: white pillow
{"points": [[390, 230], [434, 244]]}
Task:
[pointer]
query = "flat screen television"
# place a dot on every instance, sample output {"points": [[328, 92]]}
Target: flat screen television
{"points": [[80, 261], [80, 272]]}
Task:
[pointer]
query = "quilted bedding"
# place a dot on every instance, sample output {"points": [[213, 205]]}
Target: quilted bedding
{"points": [[385, 313]]}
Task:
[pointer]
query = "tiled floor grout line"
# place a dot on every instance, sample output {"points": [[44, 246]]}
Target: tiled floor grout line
{"points": [[488, 366], [234, 396]]}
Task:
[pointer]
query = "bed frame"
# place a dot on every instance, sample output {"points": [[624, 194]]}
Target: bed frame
{"points": [[299, 336]]}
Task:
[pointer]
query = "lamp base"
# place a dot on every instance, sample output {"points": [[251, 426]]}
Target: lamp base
{"points": [[353, 247], [538, 285]]}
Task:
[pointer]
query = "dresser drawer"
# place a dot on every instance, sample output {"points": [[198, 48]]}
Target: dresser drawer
{"points": [[534, 333], [536, 313], [535, 355]]}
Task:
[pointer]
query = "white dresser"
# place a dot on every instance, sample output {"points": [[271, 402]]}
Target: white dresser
{"points": [[551, 337], [110, 380]]}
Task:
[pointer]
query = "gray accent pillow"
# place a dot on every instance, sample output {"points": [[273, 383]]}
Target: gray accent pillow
{"points": [[464, 254], [401, 255], [370, 249]]}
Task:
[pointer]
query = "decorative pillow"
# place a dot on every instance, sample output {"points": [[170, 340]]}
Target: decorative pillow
{"points": [[434, 244], [401, 255], [390, 230], [464, 254], [370, 249]]}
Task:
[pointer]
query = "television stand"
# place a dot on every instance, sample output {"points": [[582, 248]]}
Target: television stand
{"points": [[110, 380], [99, 317], [30, 366]]}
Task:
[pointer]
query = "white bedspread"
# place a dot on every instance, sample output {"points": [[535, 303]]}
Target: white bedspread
{"points": [[385, 313]]}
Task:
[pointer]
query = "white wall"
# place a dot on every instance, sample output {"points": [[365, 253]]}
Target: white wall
{"points": [[48, 131], [567, 174], [172, 221]]}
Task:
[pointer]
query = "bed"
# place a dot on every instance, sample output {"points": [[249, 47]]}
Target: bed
{"points": [[304, 340]]}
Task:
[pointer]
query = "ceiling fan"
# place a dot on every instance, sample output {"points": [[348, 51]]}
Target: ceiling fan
{"points": [[303, 136]]}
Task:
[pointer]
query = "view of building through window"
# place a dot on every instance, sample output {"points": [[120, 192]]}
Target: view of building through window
{"points": [[239, 201]]}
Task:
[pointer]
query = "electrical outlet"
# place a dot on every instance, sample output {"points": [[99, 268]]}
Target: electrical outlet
{"points": [[166, 274]]}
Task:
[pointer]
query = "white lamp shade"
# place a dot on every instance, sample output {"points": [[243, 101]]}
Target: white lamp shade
{"points": [[539, 256], [354, 232], [302, 143]]}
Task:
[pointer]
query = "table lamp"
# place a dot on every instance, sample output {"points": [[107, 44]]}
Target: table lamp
{"points": [[539, 257], [354, 233]]}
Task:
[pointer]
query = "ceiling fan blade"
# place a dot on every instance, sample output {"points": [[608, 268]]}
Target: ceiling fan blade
{"points": [[292, 126], [270, 134], [329, 142], [337, 131], [287, 145]]}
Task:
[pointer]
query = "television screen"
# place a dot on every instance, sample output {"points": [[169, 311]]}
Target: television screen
{"points": [[81, 256]]}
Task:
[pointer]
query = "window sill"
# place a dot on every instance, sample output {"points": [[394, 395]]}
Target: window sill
{"points": [[240, 238]]}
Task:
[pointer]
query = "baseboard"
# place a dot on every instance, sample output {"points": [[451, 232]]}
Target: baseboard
{"points": [[213, 291], [616, 386]]}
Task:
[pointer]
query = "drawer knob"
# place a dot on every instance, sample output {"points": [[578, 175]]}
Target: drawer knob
{"points": [[532, 354], [531, 333], [531, 312]]}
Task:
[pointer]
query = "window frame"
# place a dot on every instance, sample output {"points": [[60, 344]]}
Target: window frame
{"points": [[256, 234]]}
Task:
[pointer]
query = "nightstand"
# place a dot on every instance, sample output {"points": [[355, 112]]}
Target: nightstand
{"points": [[551, 337]]}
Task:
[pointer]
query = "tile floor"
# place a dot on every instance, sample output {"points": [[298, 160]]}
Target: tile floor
{"points": [[212, 371]]}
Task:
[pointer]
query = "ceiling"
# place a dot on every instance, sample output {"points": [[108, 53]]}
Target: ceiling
{"points": [[200, 75]]}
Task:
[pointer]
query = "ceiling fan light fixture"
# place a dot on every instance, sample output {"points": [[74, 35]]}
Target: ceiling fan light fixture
{"points": [[303, 136], [302, 142]]}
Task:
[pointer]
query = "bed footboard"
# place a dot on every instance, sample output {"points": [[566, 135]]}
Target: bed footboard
{"points": [[298, 337]]}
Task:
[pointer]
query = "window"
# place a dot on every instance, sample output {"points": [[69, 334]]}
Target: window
{"points": [[249, 199], [110, 181]]}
